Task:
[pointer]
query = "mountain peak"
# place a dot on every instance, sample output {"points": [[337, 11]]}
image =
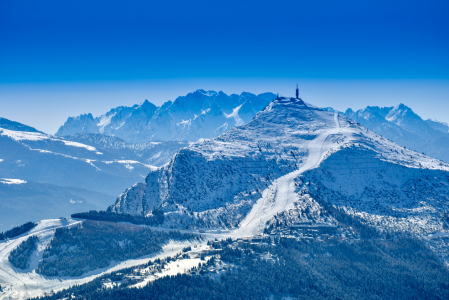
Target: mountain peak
{"points": [[209, 93], [251, 175], [200, 114]]}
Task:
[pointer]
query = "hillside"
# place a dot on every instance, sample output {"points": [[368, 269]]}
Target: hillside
{"points": [[151, 153], [16, 126]]}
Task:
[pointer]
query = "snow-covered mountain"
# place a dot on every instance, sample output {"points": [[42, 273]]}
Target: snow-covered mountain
{"points": [[287, 167], [401, 125], [201, 114], [43, 176], [38, 157], [282, 166]]}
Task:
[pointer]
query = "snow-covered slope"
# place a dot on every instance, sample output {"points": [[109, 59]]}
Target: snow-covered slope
{"points": [[201, 114], [38, 157], [276, 165], [151, 153], [401, 125]]}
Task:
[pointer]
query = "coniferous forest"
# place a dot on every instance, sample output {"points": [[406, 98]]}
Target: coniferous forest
{"points": [[402, 268], [155, 219], [20, 256], [94, 244], [16, 231]]}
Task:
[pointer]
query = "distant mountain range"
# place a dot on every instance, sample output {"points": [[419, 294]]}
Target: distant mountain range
{"points": [[207, 114], [401, 125], [201, 114]]}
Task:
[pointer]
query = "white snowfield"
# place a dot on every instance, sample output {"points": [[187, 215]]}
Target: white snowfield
{"points": [[12, 181], [17, 284], [37, 136]]}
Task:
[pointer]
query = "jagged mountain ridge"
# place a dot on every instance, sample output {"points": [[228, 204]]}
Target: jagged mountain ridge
{"points": [[201, 114], [401, 125], [274, 167]]}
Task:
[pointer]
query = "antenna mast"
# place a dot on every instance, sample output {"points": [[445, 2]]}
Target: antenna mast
{"points": [[297, 92]]}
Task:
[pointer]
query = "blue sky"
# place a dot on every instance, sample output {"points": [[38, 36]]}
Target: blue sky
{"points": [[63, 58]]}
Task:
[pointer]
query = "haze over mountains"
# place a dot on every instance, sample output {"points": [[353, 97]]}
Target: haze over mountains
{"points": [[60, 176]]}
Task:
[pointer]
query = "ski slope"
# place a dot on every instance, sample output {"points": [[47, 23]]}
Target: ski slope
{"points": [[24, 284], [20, 285], [281, 195]]}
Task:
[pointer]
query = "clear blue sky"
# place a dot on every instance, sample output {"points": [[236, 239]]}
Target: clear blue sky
{"points": [[63, 58]]}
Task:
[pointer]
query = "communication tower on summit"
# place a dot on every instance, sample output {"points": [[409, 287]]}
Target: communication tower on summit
{"points": [[297, 92]]}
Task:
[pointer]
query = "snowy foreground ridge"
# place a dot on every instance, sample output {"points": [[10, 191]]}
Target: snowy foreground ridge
{"points": [[279, 168]]}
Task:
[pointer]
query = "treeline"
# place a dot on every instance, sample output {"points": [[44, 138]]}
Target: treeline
{"points": [[93, 245], [401, 268], [156, 219], [16, 231], [20, 256]]}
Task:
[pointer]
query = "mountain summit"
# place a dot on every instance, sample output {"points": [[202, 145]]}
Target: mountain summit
{"points": [[201, 114], [283, 166]]}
